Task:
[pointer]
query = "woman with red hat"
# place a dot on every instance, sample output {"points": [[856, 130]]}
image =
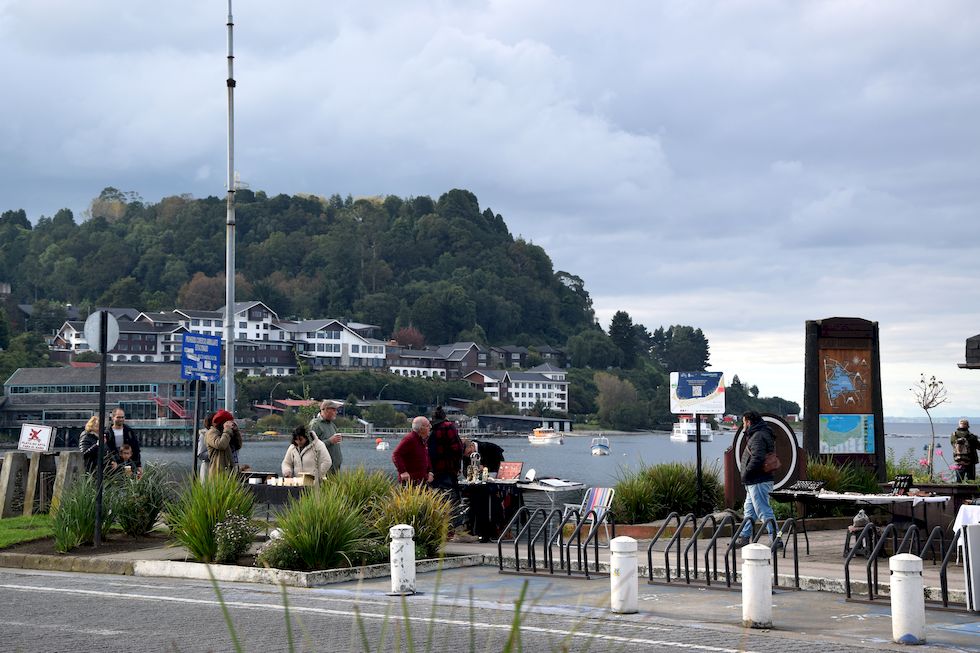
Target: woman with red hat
{"points": [[222, 438]]}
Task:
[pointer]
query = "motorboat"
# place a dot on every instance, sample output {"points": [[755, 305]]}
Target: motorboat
{"points": [[600, 446], [381, 445], [685, 429], [542, 436]]}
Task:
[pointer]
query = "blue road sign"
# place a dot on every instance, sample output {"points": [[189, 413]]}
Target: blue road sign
{"points": [[200, 359]]}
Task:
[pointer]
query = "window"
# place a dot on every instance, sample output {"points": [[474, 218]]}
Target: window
{"points": [[206, 322], [242, 325], [356, 349], [195, 322]]}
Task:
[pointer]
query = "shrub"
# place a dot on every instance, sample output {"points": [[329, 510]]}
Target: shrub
{"points": [[192, 517], [428, 512], [278, 555], [673, 488], [74, 520], [361, 487], [325, 529], [633, 501], [140, 500], [233, 537], [843, 478]]}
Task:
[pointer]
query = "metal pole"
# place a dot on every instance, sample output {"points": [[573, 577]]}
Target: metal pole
{"points": [[103, 345], [197, 415], [230, 232], [697, 439]]}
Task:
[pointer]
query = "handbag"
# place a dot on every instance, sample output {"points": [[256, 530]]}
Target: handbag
{"points": [[771, 462]]}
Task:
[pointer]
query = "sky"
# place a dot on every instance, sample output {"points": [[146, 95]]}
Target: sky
{"points": [[741, 166]]}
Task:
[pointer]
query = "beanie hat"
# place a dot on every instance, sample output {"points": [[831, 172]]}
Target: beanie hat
{"points": [[964, 424], [221, 417]]}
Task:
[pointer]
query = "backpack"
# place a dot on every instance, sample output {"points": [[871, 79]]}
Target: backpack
{"points": [[961, 449]]}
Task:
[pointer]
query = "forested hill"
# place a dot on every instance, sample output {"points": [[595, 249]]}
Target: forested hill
{"points": [[447, 267]]}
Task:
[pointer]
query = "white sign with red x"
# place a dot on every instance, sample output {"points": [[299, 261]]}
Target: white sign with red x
{"points": [[35, 437]]}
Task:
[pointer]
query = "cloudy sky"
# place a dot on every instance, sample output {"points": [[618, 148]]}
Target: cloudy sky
{"points": [[741, 166]]}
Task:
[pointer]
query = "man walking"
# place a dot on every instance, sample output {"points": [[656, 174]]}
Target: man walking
{"points": [[757, 481], [411, 456], [965, 446], [322, 427], [119, 433], [445, 453]]}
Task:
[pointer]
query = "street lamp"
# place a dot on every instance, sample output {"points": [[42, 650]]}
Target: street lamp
{"points": [[278, 383], [382, 390]]}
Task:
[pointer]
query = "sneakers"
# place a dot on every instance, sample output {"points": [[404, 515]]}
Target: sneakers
{"points": [[741, 541], [777, 545]]}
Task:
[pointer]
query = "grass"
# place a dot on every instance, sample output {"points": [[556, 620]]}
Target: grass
{"points": [[193, 516], [15, 530]]}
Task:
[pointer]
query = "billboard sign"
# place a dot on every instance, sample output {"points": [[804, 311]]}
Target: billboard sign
{"points": [[200, 358], [698, 393]]}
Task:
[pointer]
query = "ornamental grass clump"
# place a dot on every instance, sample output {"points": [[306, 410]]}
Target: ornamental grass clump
{"points": [[674, 488], [141, 500], [425, 510], [362, 488], [325, 529], [193, 516], [74, 519], [633, 500]]}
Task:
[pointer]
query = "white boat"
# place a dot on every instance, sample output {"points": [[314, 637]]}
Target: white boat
{"points": [[600, 446], [382, 445], [542, 436], [685, 430]]}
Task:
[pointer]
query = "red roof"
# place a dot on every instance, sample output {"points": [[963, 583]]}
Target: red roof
{"points": [[293, 403]]}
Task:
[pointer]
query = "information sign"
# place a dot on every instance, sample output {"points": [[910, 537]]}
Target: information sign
{"points": [[698, 393], [200, 358], [35, 437]]}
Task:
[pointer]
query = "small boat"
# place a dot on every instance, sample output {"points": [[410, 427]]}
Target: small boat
{"points": [[685, 430], [600, 446], [381, 445], [542, 436]]}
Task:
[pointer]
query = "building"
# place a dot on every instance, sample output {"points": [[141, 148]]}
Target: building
{"points": [[153, 396], [333, 344], [545, 384], [450, 362]]}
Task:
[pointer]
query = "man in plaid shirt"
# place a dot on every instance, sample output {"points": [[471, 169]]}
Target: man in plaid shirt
{"points": [[445, 452]]}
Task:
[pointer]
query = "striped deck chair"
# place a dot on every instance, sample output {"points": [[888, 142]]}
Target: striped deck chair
{"points": [[598, 499]]}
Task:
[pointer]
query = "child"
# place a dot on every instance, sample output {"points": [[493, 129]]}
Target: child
{"points": [[126, 463]]}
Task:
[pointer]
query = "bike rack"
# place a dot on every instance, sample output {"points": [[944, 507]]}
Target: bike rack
{"points": [[660, 531], [937, 533], [560, 536], [523, 510], [594, 535], [694, 544], [689, 517], [712, 547], [543, 530]]}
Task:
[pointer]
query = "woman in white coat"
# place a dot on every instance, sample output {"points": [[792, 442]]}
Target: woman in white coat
{"points": [[306, 456]]}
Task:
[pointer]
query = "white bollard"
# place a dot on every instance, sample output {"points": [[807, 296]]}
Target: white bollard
{"points": [[756, 586], [402, 559], [623, 578], [908, 600]]}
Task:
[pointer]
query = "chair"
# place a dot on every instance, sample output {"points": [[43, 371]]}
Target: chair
{"points": [[598, 499]]}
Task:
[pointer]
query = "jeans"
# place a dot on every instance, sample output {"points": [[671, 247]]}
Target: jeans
{"points": [[966, 473], [756, 507]]}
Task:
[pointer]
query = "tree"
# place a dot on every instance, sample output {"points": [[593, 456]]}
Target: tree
{"points": [[409, 337], [47, 317], [4, 329], [680, 349], [622, 335], [384, 416], [592, 348], [123, 293], [490, 406], [618, 402], [929, 394]]}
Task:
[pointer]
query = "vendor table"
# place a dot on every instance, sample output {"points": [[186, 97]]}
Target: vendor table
{"points": [[967, 515], [492, 504]]}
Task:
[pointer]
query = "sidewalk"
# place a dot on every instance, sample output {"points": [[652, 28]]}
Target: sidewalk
{"points": [[801, 615]]}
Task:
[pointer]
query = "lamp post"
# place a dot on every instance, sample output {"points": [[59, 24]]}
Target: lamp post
{"points": [[278, 383], [382, 390]]}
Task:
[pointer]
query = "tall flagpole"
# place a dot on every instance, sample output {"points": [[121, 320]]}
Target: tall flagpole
{"points": [[230, 233]]}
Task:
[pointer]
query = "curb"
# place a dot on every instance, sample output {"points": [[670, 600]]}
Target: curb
{"points": [[67, 563]]}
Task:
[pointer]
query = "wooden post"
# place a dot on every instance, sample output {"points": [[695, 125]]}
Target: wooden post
{"points": [[30, 484], [70, 468], [13, 462]]}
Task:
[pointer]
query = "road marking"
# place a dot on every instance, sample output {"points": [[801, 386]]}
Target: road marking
{"points": [[373, 615]]}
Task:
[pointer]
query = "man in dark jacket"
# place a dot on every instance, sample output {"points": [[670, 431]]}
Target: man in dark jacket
{"points": [[491, 455], [757, 481], [965, 446], [119, 433], [445, 451]]}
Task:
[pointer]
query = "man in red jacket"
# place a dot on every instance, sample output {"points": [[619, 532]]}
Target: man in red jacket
{"points": [[411, 456]]}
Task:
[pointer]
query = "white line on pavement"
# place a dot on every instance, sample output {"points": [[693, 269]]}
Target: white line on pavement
{"points": [[372, 615]]}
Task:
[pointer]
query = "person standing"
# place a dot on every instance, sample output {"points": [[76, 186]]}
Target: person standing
{"points": [[221, 438], [758, 482], [445, 452], [306, 456], [88, 444], [965, 447], [120, 433], [322, 427], [491, 455], [411, 456]]}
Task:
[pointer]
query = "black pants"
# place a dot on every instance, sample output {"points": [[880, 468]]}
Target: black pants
{"points": [[966, 472]]}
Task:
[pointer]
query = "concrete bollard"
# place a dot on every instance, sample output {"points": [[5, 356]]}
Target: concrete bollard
{"points": [[756, 586], [623, 578], [402, 559], [908, 599]]}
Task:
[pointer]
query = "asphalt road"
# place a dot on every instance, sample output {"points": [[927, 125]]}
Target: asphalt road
{"points": [[460, 611]]}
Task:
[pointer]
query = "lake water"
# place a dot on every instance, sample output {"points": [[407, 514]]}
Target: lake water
{"points": [[573, 460]]}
